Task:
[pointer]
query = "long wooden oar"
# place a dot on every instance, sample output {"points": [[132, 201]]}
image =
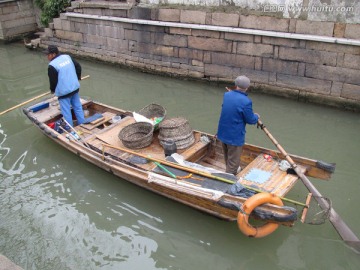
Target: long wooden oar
{"points": [[32, 99], [340, 226], [188, 169]]}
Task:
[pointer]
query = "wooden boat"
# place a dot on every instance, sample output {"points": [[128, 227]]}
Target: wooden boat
{"points": [[198, 180]]}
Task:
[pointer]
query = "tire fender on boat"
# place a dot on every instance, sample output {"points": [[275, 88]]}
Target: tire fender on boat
{"points": [[246, 209]]}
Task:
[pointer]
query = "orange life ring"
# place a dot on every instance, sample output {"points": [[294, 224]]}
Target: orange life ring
{"points": [[248, 206]]}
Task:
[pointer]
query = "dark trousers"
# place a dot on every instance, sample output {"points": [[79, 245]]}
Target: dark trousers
{"points": [[232, 155]]}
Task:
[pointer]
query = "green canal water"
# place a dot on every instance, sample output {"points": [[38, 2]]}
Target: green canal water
{"points": [[60, 212]]}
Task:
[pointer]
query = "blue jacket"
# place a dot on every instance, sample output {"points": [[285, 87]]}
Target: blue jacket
{"points": [[67, 79], [235, 114]]}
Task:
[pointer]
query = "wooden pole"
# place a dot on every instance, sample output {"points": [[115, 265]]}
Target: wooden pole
{"points": [[340, 226], [32, 99], [184, 168], [23, 103]]}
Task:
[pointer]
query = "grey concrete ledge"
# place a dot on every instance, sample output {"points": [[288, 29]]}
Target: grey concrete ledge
{"points": [[343, 41]]}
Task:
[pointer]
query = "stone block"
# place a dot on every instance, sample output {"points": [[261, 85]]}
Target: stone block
{"points": [[339, 30], [338, 74], [258, 63], [257, 39], [179, 31], [239, 37], [91, 29], [48, 32], [65, 25], [281, 41], [336, 89], [77, 37], [205, 33], [351, 91], [191, 54], [148, 28], [209, 44], [114, 32], [57, 24], [10, 9], [171, 40], [94, 39], [192, 16], [301, 69], [340, 59], [14, 23], [308, 56], [169, 15], [155, 49], [264, 23], [140, 36], [197, 63], [315, 28], [255, 49], [117, 45], [280, 66], [225, 19], [140, 13], [330, 47], [255, 76], [352, 31], [218, 71], [352, 61], [233, 60], [304, 83], [292, 25]]}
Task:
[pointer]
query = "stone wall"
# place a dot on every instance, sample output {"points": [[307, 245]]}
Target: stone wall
{"points": [[17, 18], [345, 11], [288, 57]]}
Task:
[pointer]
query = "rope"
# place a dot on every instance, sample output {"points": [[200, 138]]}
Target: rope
{"points": [[320, 217]]}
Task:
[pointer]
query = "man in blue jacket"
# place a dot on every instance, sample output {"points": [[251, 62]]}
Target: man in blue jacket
{"points": [[64, 75], [236, 112]]}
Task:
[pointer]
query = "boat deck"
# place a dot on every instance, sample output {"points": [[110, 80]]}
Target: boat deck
{"points": [[258, 173]]}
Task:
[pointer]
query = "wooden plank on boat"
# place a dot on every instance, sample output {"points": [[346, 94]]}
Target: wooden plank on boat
{"points": [[273, 179], [106, 117], [250, 152], [52, 112]]}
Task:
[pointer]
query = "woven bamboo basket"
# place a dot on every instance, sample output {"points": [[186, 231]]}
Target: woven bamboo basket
{"points": [[137, 135], [178, 130], [181, 142], [153, 111]]}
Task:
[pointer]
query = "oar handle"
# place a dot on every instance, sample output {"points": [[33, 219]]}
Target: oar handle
{"points": [[277, 144]]}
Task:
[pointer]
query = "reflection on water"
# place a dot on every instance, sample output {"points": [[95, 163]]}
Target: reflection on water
{"points": [[60, 212]]}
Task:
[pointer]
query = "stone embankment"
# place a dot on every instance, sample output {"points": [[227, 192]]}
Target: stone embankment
{"points": [[306, 60]]}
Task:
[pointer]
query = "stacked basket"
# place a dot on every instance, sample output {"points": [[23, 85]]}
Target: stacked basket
{"points": [[177, 130]]}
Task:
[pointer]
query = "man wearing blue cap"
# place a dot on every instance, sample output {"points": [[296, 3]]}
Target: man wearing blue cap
{"points": [[64, 75], [236, 112]]}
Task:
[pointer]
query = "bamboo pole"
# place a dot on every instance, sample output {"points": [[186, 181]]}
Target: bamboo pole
{"points": [[32, 99], [184, 168], [340, 226], [23, 103]]}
